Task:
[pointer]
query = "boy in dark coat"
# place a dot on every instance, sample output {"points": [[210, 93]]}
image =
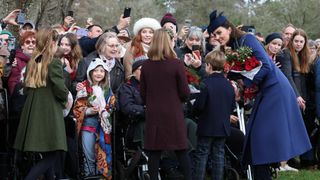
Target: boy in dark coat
{"points": [[214, 107]]}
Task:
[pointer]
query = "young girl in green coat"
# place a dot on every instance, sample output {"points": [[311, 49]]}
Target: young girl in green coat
{"points": [[41, 127]]}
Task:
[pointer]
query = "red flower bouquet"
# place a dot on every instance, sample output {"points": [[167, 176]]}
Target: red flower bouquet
{"points": [[192, 76], [242, 61]]}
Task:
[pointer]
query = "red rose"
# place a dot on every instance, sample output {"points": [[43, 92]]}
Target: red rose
{"points": [[89, 90]]}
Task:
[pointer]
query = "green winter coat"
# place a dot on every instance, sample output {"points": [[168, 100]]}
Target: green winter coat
{"points": [[41, 127]]}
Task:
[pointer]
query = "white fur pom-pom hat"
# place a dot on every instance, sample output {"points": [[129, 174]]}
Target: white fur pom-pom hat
{"points": [[145, 23]]}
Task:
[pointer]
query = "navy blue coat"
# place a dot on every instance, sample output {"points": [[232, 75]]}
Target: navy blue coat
{"points": [[275, 131], [214, 104]]}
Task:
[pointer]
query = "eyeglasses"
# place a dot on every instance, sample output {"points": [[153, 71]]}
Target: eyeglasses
{"points": [[28, 42], [113, 45]]}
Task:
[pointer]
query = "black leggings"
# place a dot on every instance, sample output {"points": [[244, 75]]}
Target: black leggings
{"points": [[44, 166], [184, 163]]}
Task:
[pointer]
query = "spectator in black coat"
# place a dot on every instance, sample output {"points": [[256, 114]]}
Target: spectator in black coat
{"points": [[107, 50]]}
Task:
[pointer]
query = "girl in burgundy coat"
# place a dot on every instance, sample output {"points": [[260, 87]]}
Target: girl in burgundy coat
{"points": [[164, 88]]}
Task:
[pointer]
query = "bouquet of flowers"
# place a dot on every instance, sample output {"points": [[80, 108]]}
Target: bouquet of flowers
{"points": [[192, 77], [242, 61]]}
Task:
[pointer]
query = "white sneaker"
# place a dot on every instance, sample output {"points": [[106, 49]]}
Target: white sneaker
{"points": [[288, 168], [281, 169]]}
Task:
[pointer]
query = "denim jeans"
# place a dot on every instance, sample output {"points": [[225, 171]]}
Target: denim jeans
{"points": [[205, 146], [88, 147]]}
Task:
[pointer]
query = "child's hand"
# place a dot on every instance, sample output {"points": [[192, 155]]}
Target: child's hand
{"points": [[92, 110], [79, 86], [233, 119]]}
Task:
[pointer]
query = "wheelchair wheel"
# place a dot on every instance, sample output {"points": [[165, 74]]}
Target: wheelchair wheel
{"points": [[231, 174], [146, 176]]}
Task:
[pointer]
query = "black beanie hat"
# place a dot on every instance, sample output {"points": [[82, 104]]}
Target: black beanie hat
{"points": [[137, 64], [273, 36], [168, 17]]}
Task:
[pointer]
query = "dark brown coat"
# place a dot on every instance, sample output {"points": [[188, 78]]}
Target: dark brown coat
{"points": [[164, 87]]}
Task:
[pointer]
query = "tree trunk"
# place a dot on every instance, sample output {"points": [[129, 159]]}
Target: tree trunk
{"points": [[42, 12]]}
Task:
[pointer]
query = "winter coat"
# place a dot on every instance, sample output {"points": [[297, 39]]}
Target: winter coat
{"points": [[132, 107], [275, 130], [41, 127], [15, 75], [317, 85], [164, 88], [214, 105]]}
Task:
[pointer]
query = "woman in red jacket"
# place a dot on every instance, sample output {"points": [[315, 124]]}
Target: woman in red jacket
{"points": [[164, 88]]}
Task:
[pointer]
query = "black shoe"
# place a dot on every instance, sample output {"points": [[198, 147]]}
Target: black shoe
{"points": [[173, 173], [294, 163]]}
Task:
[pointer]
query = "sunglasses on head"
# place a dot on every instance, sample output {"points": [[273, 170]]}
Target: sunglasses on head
{"points": [[28, 42]]}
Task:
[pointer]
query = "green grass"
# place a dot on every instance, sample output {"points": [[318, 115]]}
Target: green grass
{"points": [[301, 175]]}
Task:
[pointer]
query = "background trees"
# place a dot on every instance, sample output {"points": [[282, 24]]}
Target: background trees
{"points": [[267, 15]]}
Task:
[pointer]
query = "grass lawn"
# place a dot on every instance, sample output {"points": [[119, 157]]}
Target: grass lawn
{"points": [[301, 175]]}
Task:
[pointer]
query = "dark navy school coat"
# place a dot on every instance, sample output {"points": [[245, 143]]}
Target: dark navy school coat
{"points": [[275, 131], [214, 105]]}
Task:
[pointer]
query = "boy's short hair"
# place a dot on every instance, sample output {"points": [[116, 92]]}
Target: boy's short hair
{"points": [[216, 59]]}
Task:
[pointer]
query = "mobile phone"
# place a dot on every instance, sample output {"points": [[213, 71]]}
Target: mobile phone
{"points": [[188, 22], [21, 18], [126, 12], [70, 13], [195, 47]]}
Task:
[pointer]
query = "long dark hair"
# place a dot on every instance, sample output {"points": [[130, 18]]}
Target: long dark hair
{"points": [[300, 60]]}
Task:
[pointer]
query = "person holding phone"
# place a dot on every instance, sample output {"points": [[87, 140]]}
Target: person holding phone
{"points": [[193, 50], [68, 21]]}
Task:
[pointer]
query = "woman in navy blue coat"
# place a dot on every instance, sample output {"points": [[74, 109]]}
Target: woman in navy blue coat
{"points": [[275, 130]]}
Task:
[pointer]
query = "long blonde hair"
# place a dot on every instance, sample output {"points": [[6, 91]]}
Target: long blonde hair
{"points": [[161, 47], [37, 69]]}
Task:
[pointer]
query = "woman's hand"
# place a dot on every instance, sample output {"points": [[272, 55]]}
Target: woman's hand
{"points": [[194, 61], [301, 103], [188, 59], [68, 67], [183, 32], [11, 17]]}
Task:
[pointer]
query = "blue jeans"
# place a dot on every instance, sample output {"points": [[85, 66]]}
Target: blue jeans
{"points": [[88, 147], [205, 146]]}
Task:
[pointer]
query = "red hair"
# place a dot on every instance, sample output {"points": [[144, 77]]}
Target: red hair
{"points": [[137, 49], [26, 35]]}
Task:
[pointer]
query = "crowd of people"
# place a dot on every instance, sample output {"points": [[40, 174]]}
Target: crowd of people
{"points": [[73, 92]]}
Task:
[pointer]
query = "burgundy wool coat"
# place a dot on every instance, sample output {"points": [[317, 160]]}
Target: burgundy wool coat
{"points": [[164, 88]]}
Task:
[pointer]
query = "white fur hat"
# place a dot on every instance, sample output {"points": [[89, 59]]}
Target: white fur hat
{"points": [[146, 23]]}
